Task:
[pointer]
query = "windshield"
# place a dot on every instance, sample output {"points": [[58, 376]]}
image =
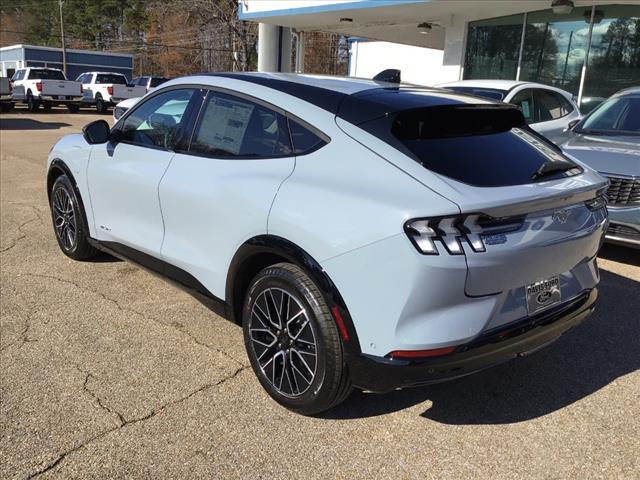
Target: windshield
{"points": [[491, 93], [103, 78], [616, 116], [44, 74]]}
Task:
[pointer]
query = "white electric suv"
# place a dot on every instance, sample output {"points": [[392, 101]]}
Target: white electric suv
{"points": [[365, 234]]}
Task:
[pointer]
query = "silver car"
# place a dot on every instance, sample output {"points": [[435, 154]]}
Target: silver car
{"points": [[608, 140]]}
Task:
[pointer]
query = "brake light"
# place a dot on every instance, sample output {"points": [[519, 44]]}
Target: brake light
{"points": [[39, 86], [454, 231], [416, 354], [81, 89], [110, 89]]}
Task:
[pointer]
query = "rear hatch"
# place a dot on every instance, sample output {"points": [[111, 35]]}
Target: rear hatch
{"points": [[527, 213]]}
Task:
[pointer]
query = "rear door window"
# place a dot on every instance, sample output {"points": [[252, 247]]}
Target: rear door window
{"points": [[550, 105], [524, 100], [235, 127], [304, 139]]}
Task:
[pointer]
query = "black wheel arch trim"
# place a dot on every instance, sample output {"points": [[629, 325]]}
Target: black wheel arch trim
{"points": [[59, 165], [278, 247]]}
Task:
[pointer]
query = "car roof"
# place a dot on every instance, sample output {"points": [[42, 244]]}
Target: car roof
{"points": [[354, 99]]}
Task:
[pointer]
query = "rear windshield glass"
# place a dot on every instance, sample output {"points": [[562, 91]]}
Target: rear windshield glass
{"points": [[42, 74], [111, 78], [485, 146], [155, 81], [492, 93]]}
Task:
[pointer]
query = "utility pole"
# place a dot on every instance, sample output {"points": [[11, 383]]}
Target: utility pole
{"points": [[64, 51]]}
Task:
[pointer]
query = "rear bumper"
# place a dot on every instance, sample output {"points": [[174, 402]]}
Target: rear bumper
{"points": [[379, 374], [5, 98], [57, 99]]}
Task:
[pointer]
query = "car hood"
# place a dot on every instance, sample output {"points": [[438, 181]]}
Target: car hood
{"points": [[607, 154]]}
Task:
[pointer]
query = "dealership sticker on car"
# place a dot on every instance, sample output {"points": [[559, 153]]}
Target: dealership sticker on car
{"points": [[543, 294]]}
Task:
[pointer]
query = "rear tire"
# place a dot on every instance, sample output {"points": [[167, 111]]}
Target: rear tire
{"points": [[32, 104], [69, 221], [292, 341], [101, 106], [73, 108]]}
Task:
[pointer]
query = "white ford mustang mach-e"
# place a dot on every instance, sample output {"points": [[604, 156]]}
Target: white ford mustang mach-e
{"points": [[365, 234]]}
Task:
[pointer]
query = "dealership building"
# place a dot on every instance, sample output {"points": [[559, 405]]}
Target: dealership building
{"points": [[590, 48]]}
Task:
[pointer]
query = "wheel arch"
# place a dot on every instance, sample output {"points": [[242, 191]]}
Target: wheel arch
{"points": [[58, 168], [262, 251]]}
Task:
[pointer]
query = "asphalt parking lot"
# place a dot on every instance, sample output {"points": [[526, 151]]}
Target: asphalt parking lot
{"points": [[109, 372]]}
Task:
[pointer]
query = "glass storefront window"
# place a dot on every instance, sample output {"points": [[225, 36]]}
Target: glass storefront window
{"points": [[555, 47], [493, 47], [614, 59]]}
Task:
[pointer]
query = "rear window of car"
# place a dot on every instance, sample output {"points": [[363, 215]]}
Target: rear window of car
{"points": [[155, 81], [491, 93], [481, 145], [103, 78], [43, 74]]}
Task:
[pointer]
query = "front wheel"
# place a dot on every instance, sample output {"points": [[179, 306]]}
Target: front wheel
{"points": [[68, 221], [292, 341]]}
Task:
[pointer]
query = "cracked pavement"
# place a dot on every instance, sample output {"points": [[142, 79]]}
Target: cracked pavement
{"points": [[108, 372]]}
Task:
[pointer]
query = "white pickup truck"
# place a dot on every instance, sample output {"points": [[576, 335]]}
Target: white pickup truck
{"points": [[5, 94], [46, 87], [105, 89]]}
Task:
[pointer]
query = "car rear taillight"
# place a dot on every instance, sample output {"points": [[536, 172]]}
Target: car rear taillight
{"points": [[454, 231], [81, 89], [39, 86], [110, 89]]}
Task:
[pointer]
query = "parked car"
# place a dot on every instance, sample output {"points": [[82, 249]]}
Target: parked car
{"points": [[5, 94], [548, 110], [366, 235], [122, 107], [608, 140], [47, 87], [149, 82], [105, 89]]}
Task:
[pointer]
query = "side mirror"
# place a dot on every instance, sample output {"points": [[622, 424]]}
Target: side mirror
{"points": [[571, 125], [96, 132]]}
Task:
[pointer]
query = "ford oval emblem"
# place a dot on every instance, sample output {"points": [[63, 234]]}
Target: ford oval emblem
{"points": [[560, 216], [543, 297]]}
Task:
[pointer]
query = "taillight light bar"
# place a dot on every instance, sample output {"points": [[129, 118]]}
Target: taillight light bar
{"points": [[110, 90], [39, 86], [453, 231]]}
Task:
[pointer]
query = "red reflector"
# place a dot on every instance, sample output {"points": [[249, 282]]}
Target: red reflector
{"points": [[411, 354], [39, 86], [340, 322]]}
